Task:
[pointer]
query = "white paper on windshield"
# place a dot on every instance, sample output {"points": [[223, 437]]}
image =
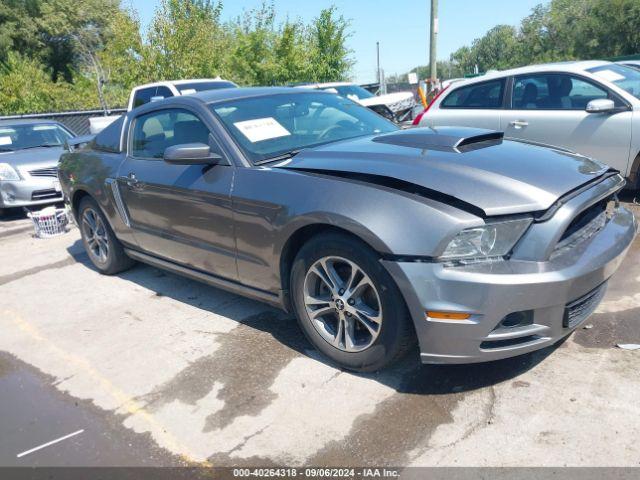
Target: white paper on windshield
{"points": [[188, 91], [608, 75], [260, 129], [5, 141]]}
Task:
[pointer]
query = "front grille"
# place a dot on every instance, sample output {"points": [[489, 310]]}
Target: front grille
{"points": [[578, 310], [584, 226], [45, 172], [584, 218], [49, 194]]}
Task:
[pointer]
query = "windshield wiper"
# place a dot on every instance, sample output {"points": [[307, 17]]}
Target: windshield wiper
{"points": [[3, 149], [44, 145], [283, 156]]}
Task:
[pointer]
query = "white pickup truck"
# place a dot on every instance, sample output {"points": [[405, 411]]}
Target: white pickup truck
{"points": [[153, 92]]}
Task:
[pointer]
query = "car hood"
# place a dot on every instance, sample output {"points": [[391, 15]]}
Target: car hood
{"points": [[468, 166], [32, 157]]}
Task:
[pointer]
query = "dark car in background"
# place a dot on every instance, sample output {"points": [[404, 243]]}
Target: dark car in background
{"points": [[29, 153], [477, 247]]}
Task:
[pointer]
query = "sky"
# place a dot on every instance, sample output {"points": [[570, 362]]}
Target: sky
{"points": [[401, 26]]}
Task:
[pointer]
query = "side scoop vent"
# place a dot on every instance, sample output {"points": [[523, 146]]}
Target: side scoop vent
{"points": [[453, 139]]}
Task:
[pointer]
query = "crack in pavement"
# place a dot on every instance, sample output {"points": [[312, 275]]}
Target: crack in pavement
{"points": [[12, 277]]}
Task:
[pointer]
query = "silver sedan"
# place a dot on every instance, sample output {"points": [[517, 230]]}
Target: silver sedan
{"points": [[29, 152]]}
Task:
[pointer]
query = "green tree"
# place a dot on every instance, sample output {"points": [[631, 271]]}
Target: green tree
{"points": [[330, 58], [253, 39], [90, 53], [26, 87], [610, 29], [18, 32], [123, 59], [186, 40], [70, 29], [291, 54]]}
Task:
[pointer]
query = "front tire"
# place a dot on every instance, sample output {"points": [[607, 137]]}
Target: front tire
{"points": [[103, 248], [347, 304]]}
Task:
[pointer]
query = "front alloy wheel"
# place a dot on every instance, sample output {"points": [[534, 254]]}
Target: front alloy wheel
{"points": [[343, 304], [347, 304]]}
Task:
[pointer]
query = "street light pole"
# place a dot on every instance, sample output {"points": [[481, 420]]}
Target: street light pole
{"points": [[378, 62], [433, 40]]}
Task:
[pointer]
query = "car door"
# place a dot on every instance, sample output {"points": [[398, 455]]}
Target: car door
{"points": [[178, 212], [476, 105], [550, 108]]}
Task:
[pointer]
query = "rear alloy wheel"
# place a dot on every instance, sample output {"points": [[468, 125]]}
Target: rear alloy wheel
{"points": [[104, 249], [95, 234], [348, 305]]}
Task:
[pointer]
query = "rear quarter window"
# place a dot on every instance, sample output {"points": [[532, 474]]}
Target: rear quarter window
{"points": [[485, 95], [108, 140]]}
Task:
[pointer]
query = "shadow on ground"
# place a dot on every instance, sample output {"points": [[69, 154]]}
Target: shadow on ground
{"points": [[407, 376]]}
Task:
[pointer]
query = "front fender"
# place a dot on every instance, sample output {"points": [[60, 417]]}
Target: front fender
{"points": [[271, 204]]}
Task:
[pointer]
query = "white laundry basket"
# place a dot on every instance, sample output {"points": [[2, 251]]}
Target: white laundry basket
{"points": [[50, 222]]}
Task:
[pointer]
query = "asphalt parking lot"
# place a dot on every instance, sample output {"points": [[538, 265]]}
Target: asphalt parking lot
{"points": [[154, 369]]}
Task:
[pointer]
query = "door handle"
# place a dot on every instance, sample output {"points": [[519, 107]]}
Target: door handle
{"points": [[519, 123], [132, 181]]}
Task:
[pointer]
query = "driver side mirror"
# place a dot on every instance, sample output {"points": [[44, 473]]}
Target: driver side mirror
{"points": [[600, 105], [191, 154]]}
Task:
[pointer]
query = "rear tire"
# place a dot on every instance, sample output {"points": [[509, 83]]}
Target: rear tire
{"points": [[347, 304], [103, 248]]}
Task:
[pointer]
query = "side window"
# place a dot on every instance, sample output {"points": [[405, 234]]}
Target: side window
{"points": [[479, 95], [554, 92], [143, 96], [163, 92], [153, 132]]}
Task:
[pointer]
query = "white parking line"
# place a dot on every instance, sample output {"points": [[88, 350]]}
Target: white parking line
{"points": [[49, 443]]}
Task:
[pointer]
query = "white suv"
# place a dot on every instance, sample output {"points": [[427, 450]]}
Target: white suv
{"points": [[590, 107]]}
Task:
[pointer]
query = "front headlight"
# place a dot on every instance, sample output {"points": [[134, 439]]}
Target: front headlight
{"points": [[491, 240], [7, 172]]}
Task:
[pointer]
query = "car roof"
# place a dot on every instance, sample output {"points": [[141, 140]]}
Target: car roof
{"points": [[325, 85], [27, 121], [182, 82], [571, 67], [215, 96]]}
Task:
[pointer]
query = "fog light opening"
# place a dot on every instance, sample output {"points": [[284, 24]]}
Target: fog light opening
{"points": [[517, 319], [447, 315]]}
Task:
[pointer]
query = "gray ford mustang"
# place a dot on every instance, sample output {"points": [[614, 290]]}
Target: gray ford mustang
{"points": [[477, 247]]}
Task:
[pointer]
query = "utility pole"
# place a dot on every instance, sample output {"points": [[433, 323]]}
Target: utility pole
{"points": [[378, 63], [433, 41]]}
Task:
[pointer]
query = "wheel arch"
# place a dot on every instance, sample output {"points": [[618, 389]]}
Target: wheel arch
{"points": [[634, 173], [298, 238], [76, 198]]}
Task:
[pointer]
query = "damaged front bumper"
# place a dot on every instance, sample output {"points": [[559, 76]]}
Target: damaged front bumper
{"points": [[516, 305]]}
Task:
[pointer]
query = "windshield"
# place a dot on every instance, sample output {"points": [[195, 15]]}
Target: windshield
{"points": [[353, 92], [270, 126], [194, 87], [624, 77], [19, 137]]}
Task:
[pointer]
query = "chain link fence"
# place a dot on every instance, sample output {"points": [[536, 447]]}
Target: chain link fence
{"points": [[77, 122]]}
